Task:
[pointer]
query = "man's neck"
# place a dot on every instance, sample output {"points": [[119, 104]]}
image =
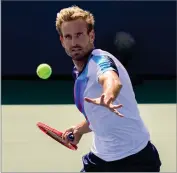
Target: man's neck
{"points": [[81, 63]]}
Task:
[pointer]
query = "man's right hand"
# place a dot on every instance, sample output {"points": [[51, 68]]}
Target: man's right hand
{"points": [[77, 135]]}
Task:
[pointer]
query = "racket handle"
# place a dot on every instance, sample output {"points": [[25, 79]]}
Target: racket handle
{"points": [[70, 137]]}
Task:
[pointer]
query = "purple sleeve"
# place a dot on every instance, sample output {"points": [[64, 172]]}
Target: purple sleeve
{"points": [[75, 73]]}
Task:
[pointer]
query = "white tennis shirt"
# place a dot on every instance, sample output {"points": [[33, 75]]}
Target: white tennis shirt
{"points": [[114, 137]]}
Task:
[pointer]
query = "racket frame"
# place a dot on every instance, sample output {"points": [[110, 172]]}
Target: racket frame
{"points": [[55, 134]]}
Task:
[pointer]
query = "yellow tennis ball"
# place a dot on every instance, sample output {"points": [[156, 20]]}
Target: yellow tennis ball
{"points": [[44, 71]]}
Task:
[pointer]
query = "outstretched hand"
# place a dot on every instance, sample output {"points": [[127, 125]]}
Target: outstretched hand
{"points": [[106, 101]]}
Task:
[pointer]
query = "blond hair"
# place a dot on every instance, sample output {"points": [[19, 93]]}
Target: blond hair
{"points": [[74, 13]]}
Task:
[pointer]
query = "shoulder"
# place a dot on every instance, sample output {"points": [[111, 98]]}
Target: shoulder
{"points": [[99, 56], [101, 62], [103, 59]]}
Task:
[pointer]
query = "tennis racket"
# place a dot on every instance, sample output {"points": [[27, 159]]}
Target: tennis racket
{"points": [[57, 135]]}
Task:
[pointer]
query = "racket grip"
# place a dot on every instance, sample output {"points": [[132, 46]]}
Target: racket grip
{"points": [[70, 137]]}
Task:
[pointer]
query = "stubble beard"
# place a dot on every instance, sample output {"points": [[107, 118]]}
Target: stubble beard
{"points": [[83, 54]]}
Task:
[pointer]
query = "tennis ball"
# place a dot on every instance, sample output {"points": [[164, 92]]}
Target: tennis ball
{"points": [[44, 71]]}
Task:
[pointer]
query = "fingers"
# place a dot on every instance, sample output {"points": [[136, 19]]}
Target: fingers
{"points": [[107, 103], [118, 113], [89, 100], [75, 142], [65, 134], [64, 137], [77, 136], [99, 101], [114, 108], [102, 99]]}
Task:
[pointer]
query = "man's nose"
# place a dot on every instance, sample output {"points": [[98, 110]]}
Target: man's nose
{"points": [[74, 41]]}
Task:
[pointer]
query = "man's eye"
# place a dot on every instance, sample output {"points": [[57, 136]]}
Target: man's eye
{"points": [[68, 37], [79, 34]]}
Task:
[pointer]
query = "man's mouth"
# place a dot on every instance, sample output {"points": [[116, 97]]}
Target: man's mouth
{"points": [[76, 50]]}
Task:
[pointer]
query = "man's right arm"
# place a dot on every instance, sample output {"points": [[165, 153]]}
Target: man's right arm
{"points": [[78, 131], [83, 127]]}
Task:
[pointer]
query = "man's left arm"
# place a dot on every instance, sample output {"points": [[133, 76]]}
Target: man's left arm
{"points": [[111, 83], [108, 77]]}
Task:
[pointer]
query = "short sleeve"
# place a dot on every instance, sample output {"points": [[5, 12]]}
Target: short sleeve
{"points": [[104, 63], [74, 73]]}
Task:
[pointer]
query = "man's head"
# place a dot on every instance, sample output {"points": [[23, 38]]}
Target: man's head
{"points": [[76, 29]]}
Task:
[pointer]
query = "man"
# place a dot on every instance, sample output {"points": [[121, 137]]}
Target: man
{"points": [[103, 93]]}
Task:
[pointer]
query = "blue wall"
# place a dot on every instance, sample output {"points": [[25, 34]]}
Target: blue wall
{"points": [[29, 36]]}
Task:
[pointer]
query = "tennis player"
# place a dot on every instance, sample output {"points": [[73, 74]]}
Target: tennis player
{"points": [[103, 93]]}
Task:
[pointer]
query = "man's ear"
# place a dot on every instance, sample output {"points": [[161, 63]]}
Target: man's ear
{"points": [[61, 39], [92, 36]]}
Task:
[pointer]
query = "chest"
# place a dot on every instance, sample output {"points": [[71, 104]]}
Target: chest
{"points": [[80, 87]]}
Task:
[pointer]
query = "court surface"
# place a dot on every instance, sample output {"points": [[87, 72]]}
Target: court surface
{"points": [[26, 149]]}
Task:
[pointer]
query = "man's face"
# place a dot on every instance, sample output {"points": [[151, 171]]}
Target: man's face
{"points": [[75, 38]]}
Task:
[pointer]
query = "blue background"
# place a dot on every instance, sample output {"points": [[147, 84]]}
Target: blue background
{"points": [[29, 36]]}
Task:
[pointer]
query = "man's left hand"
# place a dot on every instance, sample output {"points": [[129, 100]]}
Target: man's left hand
{"points": [[106, 101]]}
